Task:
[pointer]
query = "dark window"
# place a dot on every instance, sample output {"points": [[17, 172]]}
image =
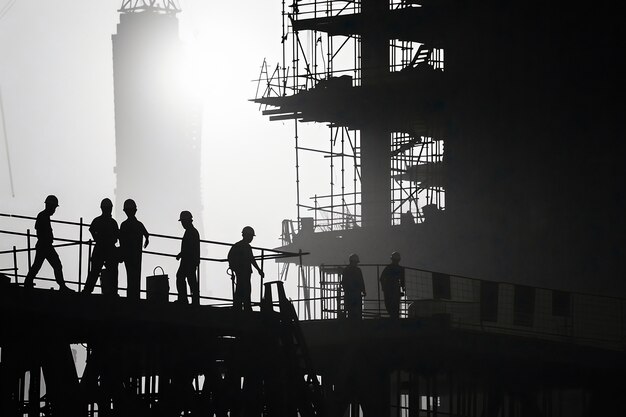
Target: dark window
{"points": [[560, 303], [524, 305], [488, 301], [441, 286]]}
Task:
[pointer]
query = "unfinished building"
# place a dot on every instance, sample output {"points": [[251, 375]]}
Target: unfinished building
{"points": [[158, 116], [492, 126], [456, 137]]}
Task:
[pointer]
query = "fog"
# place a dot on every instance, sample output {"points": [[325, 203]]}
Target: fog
{"points": [[56, 76]]}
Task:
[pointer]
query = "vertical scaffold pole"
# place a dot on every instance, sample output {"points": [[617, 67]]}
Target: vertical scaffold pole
{"points": [[15, 263], [297, 173], [262, 262], [28, 247], [89, 262], [80, 253], [300, 288], [332, 184], [378, 288], [343, 184]]}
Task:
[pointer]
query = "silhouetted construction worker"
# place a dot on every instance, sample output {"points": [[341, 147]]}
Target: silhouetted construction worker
{"points": [[44, 250], [132, 232], [105, 232], [407, 218], [240, 261], [353, 288], [392, 283], [189, 257]]}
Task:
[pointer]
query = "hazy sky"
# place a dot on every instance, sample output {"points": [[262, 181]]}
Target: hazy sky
{"points": [[57, 85]]}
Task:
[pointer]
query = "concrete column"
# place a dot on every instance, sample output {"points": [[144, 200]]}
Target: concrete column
{"points": [[375, 138]]}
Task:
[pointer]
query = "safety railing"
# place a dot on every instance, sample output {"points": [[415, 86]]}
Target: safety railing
{"points": [[463, 302], [311, 9], [20, 258], [485, 306]]}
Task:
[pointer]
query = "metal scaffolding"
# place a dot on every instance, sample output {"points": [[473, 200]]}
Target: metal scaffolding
{"points": [[154, 358], [317, 58]]}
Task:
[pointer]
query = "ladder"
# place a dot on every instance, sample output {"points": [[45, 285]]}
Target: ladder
{"points": [[291, 354]]}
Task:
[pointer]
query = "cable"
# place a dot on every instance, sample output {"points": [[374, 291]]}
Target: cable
{"points": [[7, 7], [6, 140]]}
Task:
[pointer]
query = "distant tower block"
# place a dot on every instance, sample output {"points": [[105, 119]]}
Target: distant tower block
{"points": [[157, 116]]}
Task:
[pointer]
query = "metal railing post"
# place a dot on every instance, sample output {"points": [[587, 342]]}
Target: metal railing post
{"points": [[621, 322], [315, 213], [378, 288], [80, 253], [261, 289], [88, 263], [322, 276], [303, 280], [15, 263], [28, 247]]}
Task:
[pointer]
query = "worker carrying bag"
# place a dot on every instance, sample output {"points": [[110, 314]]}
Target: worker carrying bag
{"points": [[158, 286]]}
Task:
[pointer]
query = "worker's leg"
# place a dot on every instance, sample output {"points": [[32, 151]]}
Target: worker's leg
{"points": [[241, 300], [392, 304], [181, 284], [40, 256], [192, 278], [133, 279], [57, 267], [359, 310], [237, 300], [247, 302], [97, 262], [112, 266]]}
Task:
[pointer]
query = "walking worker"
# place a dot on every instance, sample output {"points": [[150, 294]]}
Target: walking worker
{"points": [[189, 257], [132, 233], [44, 250], [353, 288], [240, 261], [105, 233], [392, 283]]}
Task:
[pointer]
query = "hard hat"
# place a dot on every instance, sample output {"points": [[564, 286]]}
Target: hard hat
{"points": [[395, 255], [106, 203], [248, 231], [185, 215], [130, 204], [354, 258], [52, 200]]}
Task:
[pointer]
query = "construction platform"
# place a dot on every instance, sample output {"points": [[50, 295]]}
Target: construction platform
{"points": [[148, 358], [162, 359]]}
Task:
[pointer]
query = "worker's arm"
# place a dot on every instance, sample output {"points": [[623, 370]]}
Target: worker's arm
{"points": [[94, 231], [256, 266], [362, 283], [146, 236]]}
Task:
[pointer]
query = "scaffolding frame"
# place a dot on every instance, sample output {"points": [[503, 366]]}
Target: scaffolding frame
{"points": [[160, 6], [311, 58]]}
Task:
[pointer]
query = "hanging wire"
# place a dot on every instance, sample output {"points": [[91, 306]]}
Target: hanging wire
{"points": [[6, 143]]}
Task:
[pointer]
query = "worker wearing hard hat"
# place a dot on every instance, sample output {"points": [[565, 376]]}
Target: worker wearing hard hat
{"points": [[132, 234], [44, 250], [105, 233], [189, 257], [393, 285], [353, 288], [240, 261]]}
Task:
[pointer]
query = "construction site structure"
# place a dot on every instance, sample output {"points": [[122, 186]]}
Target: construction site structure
{"points": [[462, 347], [474, 137], [158, 115], [67, 353]]}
